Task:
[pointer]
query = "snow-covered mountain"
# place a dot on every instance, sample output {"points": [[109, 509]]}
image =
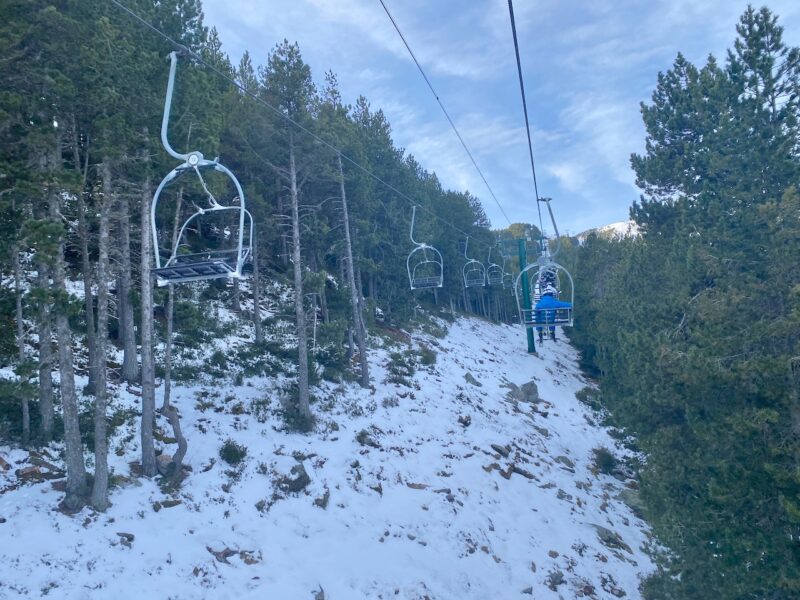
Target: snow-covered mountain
{"points": [[466, 473], [621, 229]]}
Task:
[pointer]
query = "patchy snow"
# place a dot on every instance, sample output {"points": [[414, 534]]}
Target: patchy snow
{"points": [[619, 230], [407, 496]]}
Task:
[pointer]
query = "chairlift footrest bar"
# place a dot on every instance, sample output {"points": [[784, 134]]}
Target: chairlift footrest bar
{"points": [[209, 269]]}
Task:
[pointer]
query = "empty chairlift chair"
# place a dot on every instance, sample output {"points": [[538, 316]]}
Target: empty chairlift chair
{"points": [[474, 272], [424, 263], [176, 259], [494, 272]]}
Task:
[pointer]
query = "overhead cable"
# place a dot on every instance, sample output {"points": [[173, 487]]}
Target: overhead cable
{"points": [[280, 113], [444, 110], [525, 110]]}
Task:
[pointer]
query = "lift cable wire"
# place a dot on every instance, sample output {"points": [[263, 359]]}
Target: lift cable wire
{"points": [[525, 110], [277, 111], [444, 110]]}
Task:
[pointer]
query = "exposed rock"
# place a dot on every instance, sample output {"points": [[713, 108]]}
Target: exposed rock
{"points": [[296, 481], [418, 486], [554, 579], [501, 450], [471, 380], [163, 462], [528, 590], [632, 498], [4, 465], [222, 555], [363, 437], [322, 502], [520, 471], [566, 462], [527, 392], [465, 421], [611, 539], [552, 554]]}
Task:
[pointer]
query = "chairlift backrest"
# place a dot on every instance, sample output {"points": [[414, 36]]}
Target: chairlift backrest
{"points": [[531, 316], [494, 272], [424, 263], [474, 272], [210, 263]]}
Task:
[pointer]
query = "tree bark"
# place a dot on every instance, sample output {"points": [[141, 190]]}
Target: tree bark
{"points": [[256, 284], [45, 333], [237, 300], [148, 364], [302, 339], [26, 414], [76, 491], [86, 265], [171, 312], [100, 487], [127, 328], [355, 292]]}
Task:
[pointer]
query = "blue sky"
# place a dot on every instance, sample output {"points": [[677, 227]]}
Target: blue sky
{"points": [[587, 66]]}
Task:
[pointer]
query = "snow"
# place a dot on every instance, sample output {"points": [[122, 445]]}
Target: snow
{"points": [[619, 230], [419, 507]]}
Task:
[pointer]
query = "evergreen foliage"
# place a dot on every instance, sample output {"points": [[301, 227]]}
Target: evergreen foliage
{"points": [[80, 116], [691, 326]]}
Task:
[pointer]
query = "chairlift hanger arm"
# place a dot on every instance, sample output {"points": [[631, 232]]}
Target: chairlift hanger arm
{"points": [[553, 221]]}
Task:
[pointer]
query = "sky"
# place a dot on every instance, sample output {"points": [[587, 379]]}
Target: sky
{"points": [[587, 64]]}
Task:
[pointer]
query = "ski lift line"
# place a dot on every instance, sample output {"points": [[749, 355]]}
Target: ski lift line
{"points": [[525, 110], [444, 110], [212, 263], [278, 112]]}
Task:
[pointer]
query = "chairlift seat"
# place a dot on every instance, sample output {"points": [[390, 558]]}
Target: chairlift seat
{"points": [[494, 275], [548, 316], [207, 269]]}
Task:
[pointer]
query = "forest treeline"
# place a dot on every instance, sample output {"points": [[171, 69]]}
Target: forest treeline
{"points": [[80, 157], [693, 327]]}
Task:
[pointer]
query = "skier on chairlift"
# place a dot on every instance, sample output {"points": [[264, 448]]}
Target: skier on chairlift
{"points": [[546, 311]]}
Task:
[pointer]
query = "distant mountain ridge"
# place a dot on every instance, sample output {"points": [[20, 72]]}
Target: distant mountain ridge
{"points": [[618, 230]]}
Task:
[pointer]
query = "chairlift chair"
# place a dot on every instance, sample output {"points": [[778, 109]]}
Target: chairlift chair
{"points": [[212, 263], [494, 272], [424, 263], [474, 272], [533, 317]]}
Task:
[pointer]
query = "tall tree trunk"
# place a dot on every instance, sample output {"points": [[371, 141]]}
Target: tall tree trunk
{"points": [[256, 285], [302, 339], [86, 265], [148, 363], [281, 208], [100, 487], [355, 292], [237, 297], [171, 312], [127, 328], [26, 414], [44, 329], [76, 491]]}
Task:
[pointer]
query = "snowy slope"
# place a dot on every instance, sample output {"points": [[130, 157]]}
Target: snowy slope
{"points": [[407, 497]]}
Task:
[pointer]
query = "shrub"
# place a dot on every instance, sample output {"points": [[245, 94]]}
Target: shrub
{"points": [[604, 460], [427, 355], [590, 396], [232, 453]]}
